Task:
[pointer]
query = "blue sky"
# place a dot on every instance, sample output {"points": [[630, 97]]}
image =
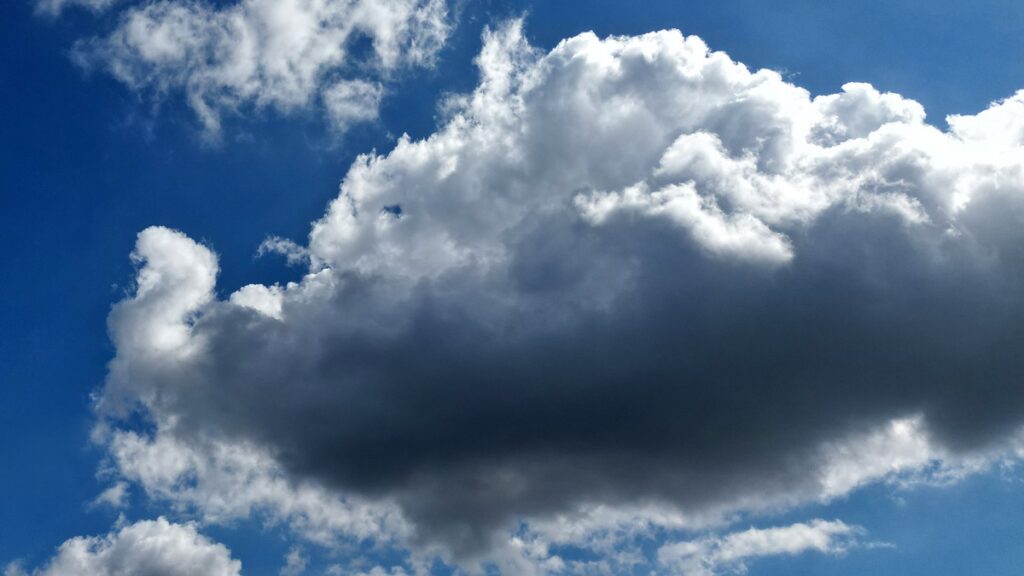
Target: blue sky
{"points": [[89, 162]]}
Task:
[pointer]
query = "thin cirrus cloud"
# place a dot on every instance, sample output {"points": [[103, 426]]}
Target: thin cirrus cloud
{"points": [[284, 55], [731, 553], [628, 286], [54, 8]]}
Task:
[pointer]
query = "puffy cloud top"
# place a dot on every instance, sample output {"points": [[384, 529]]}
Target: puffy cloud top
{"points": [[146, 548], [628, 274]]}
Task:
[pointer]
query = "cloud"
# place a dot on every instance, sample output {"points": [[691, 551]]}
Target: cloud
{"points": [[284, 55], [337, 570], [730, 553], [115, 496], [55, 8], [352, 101], [224, 482], [293, 253], [628, 284], [295, 563], [146, 548]]}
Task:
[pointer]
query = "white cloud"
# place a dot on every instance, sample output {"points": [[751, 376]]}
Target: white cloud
{"points": [[293, 253], [283, 54], [739, 236], [146, 548], [265, 299], [295, 563], [1001, 126], [224, 482], [352, 101], [613, 542], [901, 452], [337, 570], [629, 285], [115, 496], [678, 137], [56, 7], [859, 110], [731, 552], [156, 325]]}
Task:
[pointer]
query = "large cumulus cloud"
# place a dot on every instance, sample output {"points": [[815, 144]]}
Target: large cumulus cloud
{"points": [[627, 274]]}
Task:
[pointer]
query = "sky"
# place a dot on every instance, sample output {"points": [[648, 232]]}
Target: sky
{"points": [[477, 287]]}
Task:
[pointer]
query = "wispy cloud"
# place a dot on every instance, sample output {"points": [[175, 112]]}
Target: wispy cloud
{"points": [[259, 54]]}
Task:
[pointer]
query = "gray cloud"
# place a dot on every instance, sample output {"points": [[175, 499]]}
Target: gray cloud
{"points": [[628, 272]]}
